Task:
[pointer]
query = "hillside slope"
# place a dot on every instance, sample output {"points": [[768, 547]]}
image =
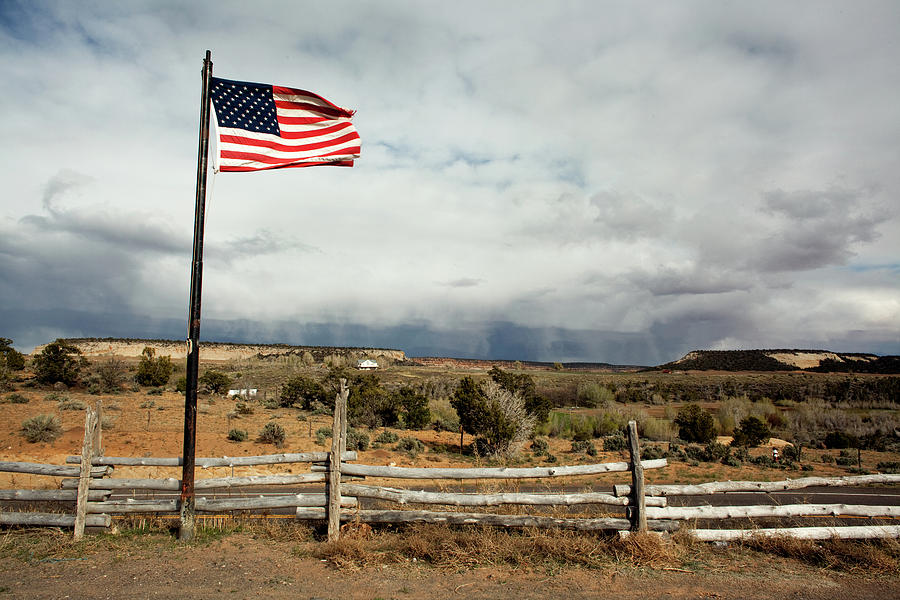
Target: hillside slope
{"points": [[822, 361]]}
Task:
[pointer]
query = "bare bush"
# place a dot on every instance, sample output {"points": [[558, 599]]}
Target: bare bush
{"points": [[511, 423]]}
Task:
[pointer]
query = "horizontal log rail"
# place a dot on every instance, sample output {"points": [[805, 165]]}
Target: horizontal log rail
{"points": [[402, 496], [206, 463], [702, 489], [491, 473], [172, 484], [51, 495], [785, 510], [51, 470], [35, 519], [131, 506], [859, 532], [461, 518]]}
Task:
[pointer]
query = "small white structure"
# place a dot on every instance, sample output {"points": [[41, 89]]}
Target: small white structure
{"points": [[367, 364], [245, 393]]}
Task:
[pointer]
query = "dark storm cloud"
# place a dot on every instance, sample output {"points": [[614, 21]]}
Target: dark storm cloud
{"points": [[464, 282], [261, 243], [131, 231], [670, 281], [816, 229]]}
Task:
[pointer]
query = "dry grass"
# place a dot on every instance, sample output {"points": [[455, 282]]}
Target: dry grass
{"points": [[450, 547], [878, 556]]}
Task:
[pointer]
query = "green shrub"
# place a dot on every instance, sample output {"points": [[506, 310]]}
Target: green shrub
{"points": [[415, 413], [371, 405], [443, 414], [695, 424], [181, 384], [214, 382], [764, 461], [242, 408], [69, 404], [839, 439], [731, 461], [711, 452], [614, 443], [387, 437], [790, 452], [272, 433], [322, 434], [751, 433], [152, 370], [591, 394], [303, 391], [585, 446], [540, 446], [157, 391], [357, 440], [827, 459], [10, 358], [892, 466], [42, 428], [237, 435], [500, 418], [652, 452], [58, 362], [411, 446], [17, 399], [523, 385]]}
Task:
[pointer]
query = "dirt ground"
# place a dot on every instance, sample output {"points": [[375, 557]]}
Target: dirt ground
{"points": [[242, 565]]}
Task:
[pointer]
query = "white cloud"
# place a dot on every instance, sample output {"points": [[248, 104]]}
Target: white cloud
{"points": [[684, 175]]}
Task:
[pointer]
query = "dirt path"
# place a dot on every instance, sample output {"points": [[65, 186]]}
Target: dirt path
{"points": [[241, 566]]}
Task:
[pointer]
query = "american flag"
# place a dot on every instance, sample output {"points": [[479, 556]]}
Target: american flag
{"points": [[263, 126]]}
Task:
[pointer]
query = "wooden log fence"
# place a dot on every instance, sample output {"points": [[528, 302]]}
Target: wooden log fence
{"points": [[703, 489], [858, 532], [207, 463], [89, 484]]}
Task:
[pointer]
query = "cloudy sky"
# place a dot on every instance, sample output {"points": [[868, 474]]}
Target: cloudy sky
{"points": [[567, 181]]}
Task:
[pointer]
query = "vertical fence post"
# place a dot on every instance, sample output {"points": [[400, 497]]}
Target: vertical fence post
{"points": [[84, 480], [638, 506], [338, 444], [98, 431], [345, 393]]}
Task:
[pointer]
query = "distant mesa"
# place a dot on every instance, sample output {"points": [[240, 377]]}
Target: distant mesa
{"points": [[818, 361], [177, 349]]}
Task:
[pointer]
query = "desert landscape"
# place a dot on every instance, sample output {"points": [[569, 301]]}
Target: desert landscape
{"points": [[146, 421]]}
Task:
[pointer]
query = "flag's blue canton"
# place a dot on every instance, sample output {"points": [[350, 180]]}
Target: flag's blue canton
{"points": [[243, 105]]}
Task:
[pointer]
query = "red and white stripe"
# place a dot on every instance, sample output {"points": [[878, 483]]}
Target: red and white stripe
{"points": [[313, 132]]}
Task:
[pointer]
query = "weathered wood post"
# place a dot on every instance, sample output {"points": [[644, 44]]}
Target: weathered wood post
{"points": [[637, 510], [84, 479], [98, 431], [338, 445]]}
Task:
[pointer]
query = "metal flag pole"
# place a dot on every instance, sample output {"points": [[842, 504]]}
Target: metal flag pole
{"points": [[186, 526]]}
